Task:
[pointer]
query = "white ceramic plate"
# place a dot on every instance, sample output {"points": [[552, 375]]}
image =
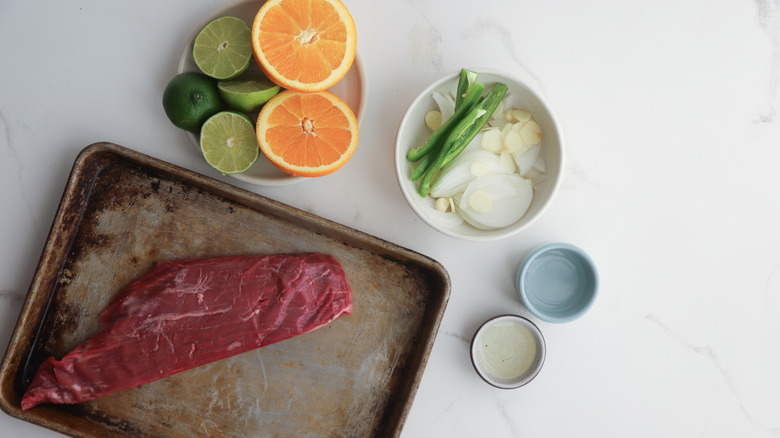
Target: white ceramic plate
{"points": [[352, 88]]}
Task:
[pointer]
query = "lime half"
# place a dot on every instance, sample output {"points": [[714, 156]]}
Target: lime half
{"points": [[228, 142], [249, 92], [223, 48]]}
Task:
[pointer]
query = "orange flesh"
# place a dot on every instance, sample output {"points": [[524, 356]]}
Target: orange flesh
{"points": [[300, 42], [307, 134], [308, 131]]}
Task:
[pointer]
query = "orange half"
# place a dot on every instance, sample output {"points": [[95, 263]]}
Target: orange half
{"points": [[307, 134], [304, 45]]}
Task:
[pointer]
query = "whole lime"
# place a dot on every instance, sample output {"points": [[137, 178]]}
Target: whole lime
{"points": [[189, 99]]}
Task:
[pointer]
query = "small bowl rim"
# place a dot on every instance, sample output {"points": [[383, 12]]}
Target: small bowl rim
{"points": [[492, 234], [522, 274], [528, 324]]}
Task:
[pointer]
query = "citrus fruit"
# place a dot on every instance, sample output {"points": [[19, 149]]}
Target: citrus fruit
{"points": [[228, 142], [189, 99], [223, 48], [307, 134], [304, 45], [249, 92]]}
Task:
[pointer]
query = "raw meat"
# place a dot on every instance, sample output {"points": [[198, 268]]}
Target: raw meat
{"points": [[186, 313]]}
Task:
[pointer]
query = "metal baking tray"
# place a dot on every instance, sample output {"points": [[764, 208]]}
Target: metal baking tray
{"points": [[122, 211]]}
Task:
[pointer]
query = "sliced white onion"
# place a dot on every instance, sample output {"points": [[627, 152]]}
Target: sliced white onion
{"points": [[525, 161], [498, 112], [450, 219], [454, 178], [540, 164], [495, 201], [446, 105]]}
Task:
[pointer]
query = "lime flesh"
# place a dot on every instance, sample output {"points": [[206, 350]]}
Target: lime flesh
{"points": [[249, 92], [229, 143], [223, 48]]}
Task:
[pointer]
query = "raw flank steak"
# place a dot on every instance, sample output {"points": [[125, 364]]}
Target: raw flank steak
{"points": [[190, 312]]}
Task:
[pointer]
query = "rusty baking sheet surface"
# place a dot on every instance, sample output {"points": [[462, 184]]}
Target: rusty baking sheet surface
{"points": [[122, 211]]}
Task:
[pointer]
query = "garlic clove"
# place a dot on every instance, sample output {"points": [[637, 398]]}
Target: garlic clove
{"points": [[513, 141], [491, 140], [531, 132], [433, 119], [521, 115]]}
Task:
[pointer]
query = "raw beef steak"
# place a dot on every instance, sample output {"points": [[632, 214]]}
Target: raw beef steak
{"points": [[186, 313]]}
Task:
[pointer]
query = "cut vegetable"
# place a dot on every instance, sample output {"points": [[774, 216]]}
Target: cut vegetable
{"points": [[437, 138], [527, 159], [450, 219], [467, 128], [446, 105], [480, 165], [531, 132], [496, 201], [433, 119], [456, 177], [466, 80]]}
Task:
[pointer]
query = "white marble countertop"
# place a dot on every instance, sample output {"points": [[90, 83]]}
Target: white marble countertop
{"points": [[670, 114]]}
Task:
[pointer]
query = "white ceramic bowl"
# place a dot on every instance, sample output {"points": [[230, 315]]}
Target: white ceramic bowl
{"points": [[413, 132], [352, 88]]}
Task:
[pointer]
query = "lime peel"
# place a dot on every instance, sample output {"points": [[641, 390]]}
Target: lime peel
{"points": [[223, 48], [228, 142]]}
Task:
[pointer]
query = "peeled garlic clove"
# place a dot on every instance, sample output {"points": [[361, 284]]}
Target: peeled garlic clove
{"points": [[506, 128], [521, 115], [491, 140], [507, 162], [449, 219], [433, 119], [495, 123], [531, 132], [442, 204], [513, 142]]}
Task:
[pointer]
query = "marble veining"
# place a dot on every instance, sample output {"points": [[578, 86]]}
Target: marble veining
{"points": [[769, 19], [460, 337], [510, 418], [707, 352], [670, 111], [484, 27], [424, 43]]}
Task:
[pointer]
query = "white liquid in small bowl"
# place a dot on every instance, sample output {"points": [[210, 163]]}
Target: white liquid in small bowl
{"points": [[508, 351]]}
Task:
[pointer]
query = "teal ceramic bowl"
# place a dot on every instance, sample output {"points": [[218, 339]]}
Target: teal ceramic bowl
{"points": [[557, 282]]}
